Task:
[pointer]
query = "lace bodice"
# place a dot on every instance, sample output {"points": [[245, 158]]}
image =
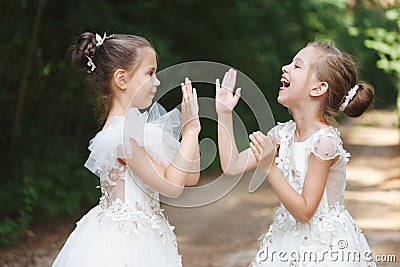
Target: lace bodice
{"points": [[293, 157], [157, 131]]}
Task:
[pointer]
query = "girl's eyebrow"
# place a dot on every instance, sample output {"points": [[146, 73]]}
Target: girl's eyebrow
{"points": [[298, 60], [151, 68]]}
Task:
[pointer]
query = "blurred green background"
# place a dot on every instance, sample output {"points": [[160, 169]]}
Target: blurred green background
{"points": [[46, 111]]}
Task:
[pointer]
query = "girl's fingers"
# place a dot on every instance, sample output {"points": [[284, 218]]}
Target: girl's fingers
{"points": [[189, 97], [232, 80], [225, 79], [184, 92], [217, 85], [185, 100], [265, 140], [237, 95], [255, 151], [254, 139], [256, 144], [258, 137], [188, 84], [194, 97]]}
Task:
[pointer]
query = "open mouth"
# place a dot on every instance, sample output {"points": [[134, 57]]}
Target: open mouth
{"points": [[285, 82]]}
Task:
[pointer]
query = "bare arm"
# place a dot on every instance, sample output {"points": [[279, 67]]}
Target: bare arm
{"points": [[171, 180], [168, 181], [232, 162], [194, 175], [194, 170], [301, 206]]}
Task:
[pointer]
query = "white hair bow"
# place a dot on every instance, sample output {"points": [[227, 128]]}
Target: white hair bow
{"points": [[100, 40]]}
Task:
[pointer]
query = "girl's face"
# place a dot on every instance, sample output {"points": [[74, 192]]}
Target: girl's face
{"points": [[143, 83], [296, 79]]}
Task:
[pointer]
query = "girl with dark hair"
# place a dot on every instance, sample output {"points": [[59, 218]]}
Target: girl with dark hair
{"points": [[136, 155]]}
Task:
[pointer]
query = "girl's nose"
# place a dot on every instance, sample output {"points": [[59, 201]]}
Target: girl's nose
{"points": [[156, 81], [284, 69]]}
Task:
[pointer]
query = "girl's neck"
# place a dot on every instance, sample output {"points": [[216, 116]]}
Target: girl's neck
{"points": [[115, 112], [306, 125], [119, 106]]}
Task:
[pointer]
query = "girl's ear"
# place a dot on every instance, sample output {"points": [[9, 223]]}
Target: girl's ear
{"points": [[120, 79], [320, 89]]}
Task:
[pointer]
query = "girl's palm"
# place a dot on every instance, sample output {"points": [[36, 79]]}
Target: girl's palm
{"points": [[189, 108], [225, 100]]}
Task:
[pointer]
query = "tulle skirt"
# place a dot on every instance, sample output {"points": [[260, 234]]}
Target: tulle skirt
{"points": [[330, 240], [94, 244]]}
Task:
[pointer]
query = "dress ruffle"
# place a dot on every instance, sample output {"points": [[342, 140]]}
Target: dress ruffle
{"points": [[152, 130]]}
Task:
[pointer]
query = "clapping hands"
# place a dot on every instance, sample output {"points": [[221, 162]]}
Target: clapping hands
{"points": [[264, 150], [189, 108]]}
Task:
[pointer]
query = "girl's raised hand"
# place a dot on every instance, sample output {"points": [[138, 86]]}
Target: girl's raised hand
{"points": [[264, 150], [189, 108], [225, 99]]}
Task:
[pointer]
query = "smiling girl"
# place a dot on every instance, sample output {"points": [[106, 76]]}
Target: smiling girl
{"points": [[304, 160], [136, 155]]}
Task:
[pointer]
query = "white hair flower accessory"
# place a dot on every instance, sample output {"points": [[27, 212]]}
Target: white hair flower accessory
{"points": [[352, 92], [90, 64], [100, 40]]}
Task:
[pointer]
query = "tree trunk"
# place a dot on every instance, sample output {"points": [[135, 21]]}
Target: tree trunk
{"points": [[24, 80]]}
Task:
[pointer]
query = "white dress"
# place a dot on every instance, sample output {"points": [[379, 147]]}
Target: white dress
{"points": [[127, 227], [331, 237]]}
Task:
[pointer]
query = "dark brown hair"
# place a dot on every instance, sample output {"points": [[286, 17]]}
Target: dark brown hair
{"points": [[119, 51], [338, 70]]}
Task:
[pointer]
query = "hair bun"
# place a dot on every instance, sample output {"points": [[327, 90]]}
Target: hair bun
{"points": [[85, 47], [361, 101]]}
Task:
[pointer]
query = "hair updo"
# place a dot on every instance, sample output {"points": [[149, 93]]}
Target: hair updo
{"points": [[338, 70], [118, 51]]}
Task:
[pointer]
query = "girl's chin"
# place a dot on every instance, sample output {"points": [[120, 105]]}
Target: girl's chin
{"points": [[282, 101]]}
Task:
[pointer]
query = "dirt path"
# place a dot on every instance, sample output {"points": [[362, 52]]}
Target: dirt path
{"points": [[224, 233]]}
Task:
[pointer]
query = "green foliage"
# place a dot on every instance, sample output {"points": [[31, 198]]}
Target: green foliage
{"points": [[17, 220], [386, 42], [46, 108]]}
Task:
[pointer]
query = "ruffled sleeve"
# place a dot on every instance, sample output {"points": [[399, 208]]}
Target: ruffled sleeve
{"points": [[105, 148], [325, 148], [327, 145], [158, 131]]}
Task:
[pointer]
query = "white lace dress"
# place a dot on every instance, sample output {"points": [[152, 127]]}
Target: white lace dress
{"points": [[331, 237], [127, 227]]}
